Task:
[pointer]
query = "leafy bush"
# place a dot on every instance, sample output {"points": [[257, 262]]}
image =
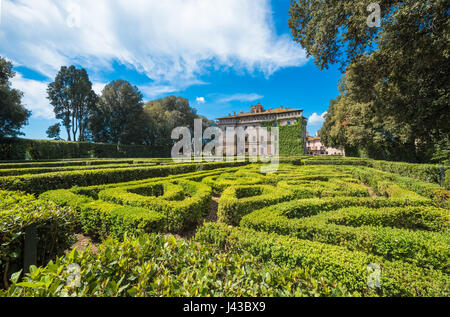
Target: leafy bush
{"points": [[369, 230], [400, 184], [333, 262], [237, 201], [54, 226], [243, 177], [182, 202], [21, 149], [137, 208], [40, 170], [40, 183], [424, 172], [161, 266], [24, 165], [317, 188]]}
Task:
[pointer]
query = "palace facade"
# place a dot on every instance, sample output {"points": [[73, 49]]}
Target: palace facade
{"points": [[257, 118]]}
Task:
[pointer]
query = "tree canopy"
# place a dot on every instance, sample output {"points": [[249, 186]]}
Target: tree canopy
{"points": [[54, 131], [73, 100], [394, 96], [119, 115], [164, 115], [13, 115]]}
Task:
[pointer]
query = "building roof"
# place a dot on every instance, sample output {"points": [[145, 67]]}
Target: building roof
{"points": [[313, 138], [265, 112]]}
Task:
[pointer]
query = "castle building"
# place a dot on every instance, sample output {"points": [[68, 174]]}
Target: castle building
{"points": [[315, 147], [256, 119]]}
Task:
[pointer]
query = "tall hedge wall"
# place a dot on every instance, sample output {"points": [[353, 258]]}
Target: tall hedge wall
{"points": [[291, 137], [24, 149]]}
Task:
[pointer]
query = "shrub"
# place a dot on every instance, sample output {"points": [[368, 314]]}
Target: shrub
{"points": [[318, 188], [21, 149], [333, 262], [54, 228], [183, 202], [138, 208], [38, 184], [220, 182], [369, 230], [372, 177], [237, 201], [39, 170], [152, 266]]}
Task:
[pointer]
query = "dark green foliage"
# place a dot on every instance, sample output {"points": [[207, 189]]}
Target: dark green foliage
{"points": [[291, 137], [73, 101], [330, 261], [54, 225], [164, 115], [43, 182], [119, 115], [395, 93], [54, 131], [13, 114], [239, 200], [153, 266], [21, 149], [376, 231]]}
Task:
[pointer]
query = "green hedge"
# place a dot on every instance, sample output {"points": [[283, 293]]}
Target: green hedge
{"points": [[241, 177], [424, 172], [61, 163], [376, 231], [317, 188], [333, 262], [237, 201], [149, 207], [313, 206], [54, 226], [102, 219], [40, 170], [182, 202], [24, 149], [378, 180], [43, 182], [156, 266]]}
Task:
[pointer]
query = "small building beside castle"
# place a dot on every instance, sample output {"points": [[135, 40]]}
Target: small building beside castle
{"points": [[315, 147], [257, 118]]}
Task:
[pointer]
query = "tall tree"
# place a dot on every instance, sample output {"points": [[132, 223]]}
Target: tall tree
{"points": [[164, 115], [400, 71], [73, 100], [13, 114], [54, 131], [119, 115]]}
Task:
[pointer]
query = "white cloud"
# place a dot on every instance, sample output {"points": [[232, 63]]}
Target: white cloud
{"points": [[200, 100], [172, 42], [152, 91], [316, 120], [98, 87], [35, 96], [239, 97]]}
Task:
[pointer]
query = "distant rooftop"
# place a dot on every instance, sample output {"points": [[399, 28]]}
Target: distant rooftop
{"points": [[259, 110]]}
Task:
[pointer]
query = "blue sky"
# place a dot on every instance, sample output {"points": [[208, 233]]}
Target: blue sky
{"points": [[223, 56]]}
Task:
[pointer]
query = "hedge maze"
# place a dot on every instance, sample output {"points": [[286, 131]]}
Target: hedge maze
{"points": [[332, 221]]}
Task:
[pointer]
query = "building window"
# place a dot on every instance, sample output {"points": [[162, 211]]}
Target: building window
{"points": [[289, 122]]}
